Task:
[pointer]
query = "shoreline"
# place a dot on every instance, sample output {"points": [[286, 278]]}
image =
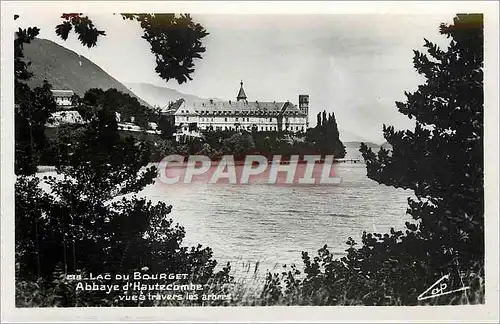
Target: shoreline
{"points": [[52, 168]]}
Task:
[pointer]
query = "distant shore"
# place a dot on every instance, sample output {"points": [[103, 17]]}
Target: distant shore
{"points": [[238, 162]]}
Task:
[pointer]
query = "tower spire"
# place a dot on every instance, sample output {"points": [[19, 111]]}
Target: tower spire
{"points": [[241, 93]]}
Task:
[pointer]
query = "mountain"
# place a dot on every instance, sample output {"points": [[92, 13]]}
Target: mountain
{"points": [[67, 70], [347, 136], [386, 146], [159, 96], [352, 149], [355, 144]]}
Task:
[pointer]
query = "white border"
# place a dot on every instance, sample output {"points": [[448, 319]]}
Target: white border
{"points": [[487, 312]]}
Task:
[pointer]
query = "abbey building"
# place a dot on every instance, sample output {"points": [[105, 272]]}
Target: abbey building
{"points": [[241, 114]]}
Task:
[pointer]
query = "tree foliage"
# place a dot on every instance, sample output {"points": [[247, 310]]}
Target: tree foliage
{"points": [[175, 40], [83, 26], [326, 135], [128, 107], [89, 218], [33, 107], [23, 36], [441, 161]]}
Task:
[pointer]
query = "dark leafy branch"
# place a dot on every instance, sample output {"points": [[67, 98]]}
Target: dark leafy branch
{"points": [[23, 36], [174, 40], [82, 225], [84, 28]]}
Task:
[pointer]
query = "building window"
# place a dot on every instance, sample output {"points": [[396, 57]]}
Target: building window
{"points": [[225, 118], [270, 119], [236, 119]]}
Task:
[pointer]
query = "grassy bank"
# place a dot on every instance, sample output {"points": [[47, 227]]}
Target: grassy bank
{"points": [[250, 286]]}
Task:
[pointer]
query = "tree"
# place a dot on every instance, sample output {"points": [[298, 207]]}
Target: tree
{"points": [[88, 226], [442, 159], [238, 144], [32, 108], [326, 135], [116, 101], [86, 223], [166, 126], [334, 136], [84, 27], [175, 40]]}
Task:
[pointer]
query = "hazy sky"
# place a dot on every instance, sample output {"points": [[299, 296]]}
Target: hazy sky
{"points": [[354, 65]]}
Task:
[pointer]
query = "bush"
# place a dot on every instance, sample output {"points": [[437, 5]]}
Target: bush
{"points": [[373, 275]]}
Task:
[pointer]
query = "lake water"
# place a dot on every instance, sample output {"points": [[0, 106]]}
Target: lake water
{"points": [[272, 225]]}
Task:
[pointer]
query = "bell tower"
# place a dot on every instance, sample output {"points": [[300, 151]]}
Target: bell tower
{"points": [[304, 106], [241, 94]]}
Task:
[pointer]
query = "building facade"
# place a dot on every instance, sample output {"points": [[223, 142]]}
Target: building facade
{"points": [[63, 98], [241, 114]]}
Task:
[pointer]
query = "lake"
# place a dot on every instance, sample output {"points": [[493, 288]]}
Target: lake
{"points": [[272, 224]]}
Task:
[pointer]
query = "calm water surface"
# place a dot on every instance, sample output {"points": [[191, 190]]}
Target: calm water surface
{"points": [[272, 224]]}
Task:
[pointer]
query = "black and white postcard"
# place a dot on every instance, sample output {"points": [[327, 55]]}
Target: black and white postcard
{"points": [[249, 161]]}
